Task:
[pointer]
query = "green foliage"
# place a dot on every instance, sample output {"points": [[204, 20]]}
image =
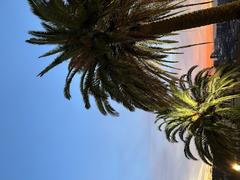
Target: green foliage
{"points": [[201, 111], [98, 39]]}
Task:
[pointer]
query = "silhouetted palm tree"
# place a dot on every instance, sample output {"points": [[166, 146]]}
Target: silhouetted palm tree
{"points": [[201, 112], [115, 45]]}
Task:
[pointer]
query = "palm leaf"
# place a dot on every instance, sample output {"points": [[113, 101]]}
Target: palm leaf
{"points": [[200, 111]]}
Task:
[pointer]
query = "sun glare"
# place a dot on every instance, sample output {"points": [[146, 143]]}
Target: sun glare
{"points": [[236, 167]]}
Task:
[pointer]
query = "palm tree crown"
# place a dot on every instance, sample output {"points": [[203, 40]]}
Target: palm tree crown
{"points": [[86, 33], [201, 111], [109, 43]]}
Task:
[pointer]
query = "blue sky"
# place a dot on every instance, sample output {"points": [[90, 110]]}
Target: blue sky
{"points": [[43, 136]]}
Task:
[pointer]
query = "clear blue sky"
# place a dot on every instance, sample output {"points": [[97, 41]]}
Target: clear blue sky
{"points": [[45, 137]]}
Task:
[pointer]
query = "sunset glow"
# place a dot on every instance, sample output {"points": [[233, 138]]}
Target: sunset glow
{"points": [[197, 55]]}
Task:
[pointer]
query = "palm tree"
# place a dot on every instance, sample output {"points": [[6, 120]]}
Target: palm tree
{"points": [[117, 45], [201, 112]]}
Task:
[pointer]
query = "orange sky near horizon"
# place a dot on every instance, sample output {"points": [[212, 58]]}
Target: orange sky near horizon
{"points": [[172, 154], [197, 55]]}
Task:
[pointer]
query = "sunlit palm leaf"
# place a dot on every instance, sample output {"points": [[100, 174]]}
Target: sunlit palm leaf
{"points": [[200, 111]]}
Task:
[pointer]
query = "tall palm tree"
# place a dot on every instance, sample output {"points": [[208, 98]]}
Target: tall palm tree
{"points": [[117, 45], [201, 111]]}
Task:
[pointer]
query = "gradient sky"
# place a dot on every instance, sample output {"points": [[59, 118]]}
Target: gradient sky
{"points": [[45, 137]]}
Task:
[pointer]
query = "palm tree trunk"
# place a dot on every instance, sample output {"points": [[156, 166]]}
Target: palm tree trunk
{"points": [[199, 18]]}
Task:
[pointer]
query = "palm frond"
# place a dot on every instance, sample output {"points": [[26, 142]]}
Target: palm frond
{"points": [[95, 37], [200, 111]]}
